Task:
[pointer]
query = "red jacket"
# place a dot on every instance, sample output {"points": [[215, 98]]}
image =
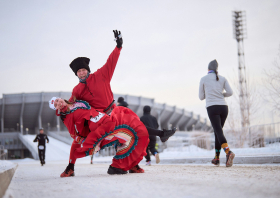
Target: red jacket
{"points": [[75, 120], [97, 89]]}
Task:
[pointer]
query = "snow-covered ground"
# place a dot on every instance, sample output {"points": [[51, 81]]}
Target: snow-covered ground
{"points": [[59, 151], [33, 180], [6, 165], [158, 181], [194, 151], [55, 149]]}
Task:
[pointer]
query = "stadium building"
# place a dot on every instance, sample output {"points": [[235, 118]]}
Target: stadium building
{"points": [[25, 113]]}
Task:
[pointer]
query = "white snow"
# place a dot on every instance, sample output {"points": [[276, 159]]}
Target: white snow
{"points": [[59, 152], [6, 165], [55, 149], [194, 151], [158, 180]]}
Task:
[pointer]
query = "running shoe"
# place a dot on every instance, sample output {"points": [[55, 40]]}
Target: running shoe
{"points": [[230, 156], [68, 172], [157, 158], [167, 134], [216, 162]]}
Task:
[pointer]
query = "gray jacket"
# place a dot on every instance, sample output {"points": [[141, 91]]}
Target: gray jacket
{"points": [[212, 90]]}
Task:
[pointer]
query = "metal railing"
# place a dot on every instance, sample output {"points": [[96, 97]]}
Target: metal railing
{"points": [[254, 136], [3, 153]]}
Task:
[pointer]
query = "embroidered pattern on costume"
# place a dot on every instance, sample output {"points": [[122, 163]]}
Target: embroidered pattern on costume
{"points": [[97, 118], [79, 104]]}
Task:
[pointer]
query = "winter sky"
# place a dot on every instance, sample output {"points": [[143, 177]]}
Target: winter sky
{"points": [[167, 44]]}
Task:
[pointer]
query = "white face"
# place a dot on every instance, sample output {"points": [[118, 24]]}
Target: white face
{"points": [[82, 73], [59, 103]]}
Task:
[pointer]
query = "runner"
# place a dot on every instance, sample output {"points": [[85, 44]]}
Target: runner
{"points": [[41, 139], [211, 87]]}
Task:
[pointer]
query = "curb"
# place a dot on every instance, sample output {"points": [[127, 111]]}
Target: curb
{"points": [[237, 160], [5, 179]]}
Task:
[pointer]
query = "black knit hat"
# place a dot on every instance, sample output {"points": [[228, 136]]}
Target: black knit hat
{"points": [[120, 99], [79, 63], [213, 65], [147, 109]]}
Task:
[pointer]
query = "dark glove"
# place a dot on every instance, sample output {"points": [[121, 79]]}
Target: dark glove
{"points": [[118, 38]]}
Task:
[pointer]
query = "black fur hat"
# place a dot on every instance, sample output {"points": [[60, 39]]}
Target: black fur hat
{"points": [[79, 63]]}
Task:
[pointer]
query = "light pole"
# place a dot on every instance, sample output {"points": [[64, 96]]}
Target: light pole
{"points": [[239, 26]]}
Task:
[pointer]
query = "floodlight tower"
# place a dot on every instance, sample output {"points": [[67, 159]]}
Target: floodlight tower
{"points": [[239, 26]]}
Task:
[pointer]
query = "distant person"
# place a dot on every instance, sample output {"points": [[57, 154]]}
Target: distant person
{"points": [[41, 139], [152, 122], [153, 132], [91, 158], [211, 87], [121, 102]]}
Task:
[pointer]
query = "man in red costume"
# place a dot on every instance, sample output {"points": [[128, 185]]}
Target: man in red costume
{"points": [[95, 88]]}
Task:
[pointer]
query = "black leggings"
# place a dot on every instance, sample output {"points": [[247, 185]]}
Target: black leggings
{"points": [[41, 153], [155, 132], [218, 115], [151, 147]]}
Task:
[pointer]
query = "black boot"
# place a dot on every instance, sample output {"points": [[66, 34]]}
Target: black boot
{"points": [[115, 171], [167, 134]]}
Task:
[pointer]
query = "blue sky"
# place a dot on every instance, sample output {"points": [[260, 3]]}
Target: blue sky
{"points": [[167, 44]]}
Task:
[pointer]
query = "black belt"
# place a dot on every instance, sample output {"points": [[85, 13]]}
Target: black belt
{"points": [[105, 110]]}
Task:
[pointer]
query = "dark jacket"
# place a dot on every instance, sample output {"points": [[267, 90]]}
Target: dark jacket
{"points": [[148, 119], [42, 139], [123, 104]]}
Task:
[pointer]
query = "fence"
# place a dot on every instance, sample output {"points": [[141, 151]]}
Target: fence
{"points": [[254, 136], [3, 153]]}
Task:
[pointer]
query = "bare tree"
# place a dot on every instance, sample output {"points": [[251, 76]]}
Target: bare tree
{"points": [[272, 84], [239, 136]]}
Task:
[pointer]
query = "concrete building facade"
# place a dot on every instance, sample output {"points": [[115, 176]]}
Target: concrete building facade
{"points": [[27, 112]]}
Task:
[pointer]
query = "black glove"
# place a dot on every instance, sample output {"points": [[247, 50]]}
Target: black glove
{"points": [[118, 38]]}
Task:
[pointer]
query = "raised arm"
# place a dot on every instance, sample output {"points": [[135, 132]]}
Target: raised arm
{"points": [[108, 69], [228, 89], [201, 90]]}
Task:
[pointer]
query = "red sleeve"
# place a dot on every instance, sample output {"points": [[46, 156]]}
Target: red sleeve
{"points": [[108, 69], [70, 124], [74, 93], [74, 146]]}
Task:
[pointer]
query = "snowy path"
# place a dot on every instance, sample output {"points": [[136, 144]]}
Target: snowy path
{"points": [[55, 149], [32, 180]]}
